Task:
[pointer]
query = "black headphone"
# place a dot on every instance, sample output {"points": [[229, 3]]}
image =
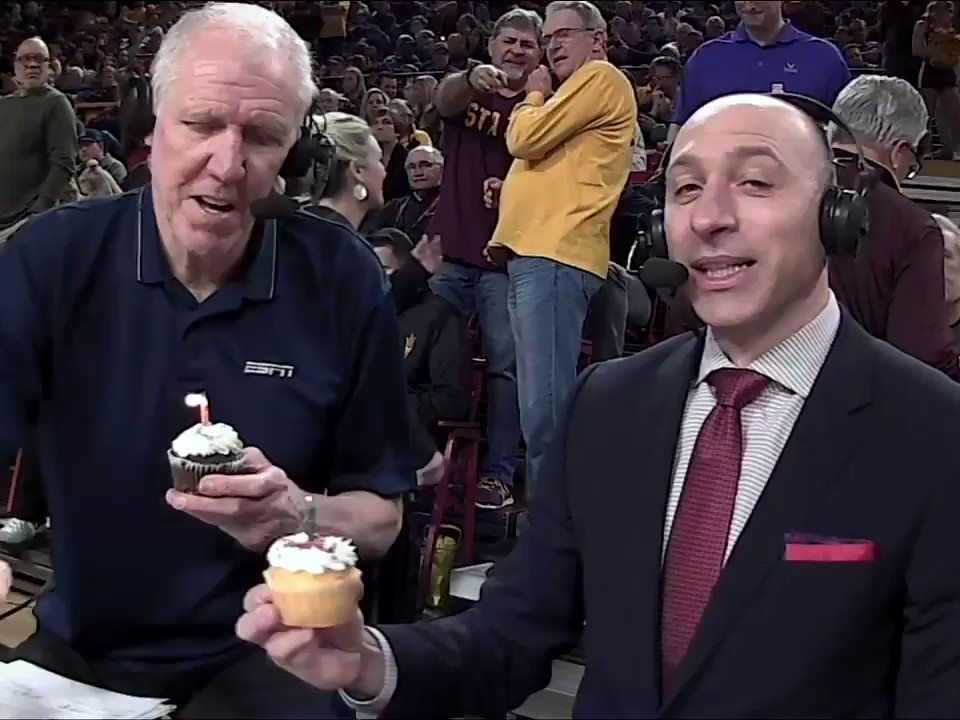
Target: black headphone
{"points": [[844, 214], [313, 153]]}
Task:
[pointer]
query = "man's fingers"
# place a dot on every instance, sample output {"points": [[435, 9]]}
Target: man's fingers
{"points": [[259, 626], [256, 486], [255, 460], [211, 510], [284, 646], [255, 597]]}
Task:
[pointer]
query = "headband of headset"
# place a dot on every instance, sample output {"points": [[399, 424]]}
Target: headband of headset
{"points": [[843, 214]]}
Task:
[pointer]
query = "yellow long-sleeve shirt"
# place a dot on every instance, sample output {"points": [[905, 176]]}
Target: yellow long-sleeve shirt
{"points": [[572, 157]]}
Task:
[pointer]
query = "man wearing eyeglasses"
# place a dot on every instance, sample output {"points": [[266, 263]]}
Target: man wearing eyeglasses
{"points": [[895, 287], [413, 213], [573, 152], [38, 140]]}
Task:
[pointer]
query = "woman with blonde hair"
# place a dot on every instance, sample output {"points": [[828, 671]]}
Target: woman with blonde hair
{"points": [[353, 185], [410, 136], [373, 100], [353, 88]]}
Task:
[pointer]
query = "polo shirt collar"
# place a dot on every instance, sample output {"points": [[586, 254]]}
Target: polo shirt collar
{"points": [[787, 35], [257, 278]]}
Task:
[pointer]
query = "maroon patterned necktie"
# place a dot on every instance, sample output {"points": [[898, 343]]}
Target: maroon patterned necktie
{"points": [[701, 525]]}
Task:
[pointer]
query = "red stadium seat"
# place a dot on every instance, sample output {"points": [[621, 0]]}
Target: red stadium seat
{"points": [[456, 493]]}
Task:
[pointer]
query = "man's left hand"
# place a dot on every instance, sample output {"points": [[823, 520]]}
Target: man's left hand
{"points": [[540, 81], [255, 507]]}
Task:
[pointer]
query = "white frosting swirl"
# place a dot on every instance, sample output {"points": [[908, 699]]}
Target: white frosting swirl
{"points": [[205, 440], [296, 553]]}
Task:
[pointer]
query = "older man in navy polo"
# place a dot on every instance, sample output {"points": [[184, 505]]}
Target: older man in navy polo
{"points": [[764, 54], [114, 309]]}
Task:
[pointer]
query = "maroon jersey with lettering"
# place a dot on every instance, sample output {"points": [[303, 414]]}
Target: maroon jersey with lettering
{"points": [[474, 149]]}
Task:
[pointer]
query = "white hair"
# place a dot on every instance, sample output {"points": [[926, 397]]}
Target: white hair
{"points": [[265, 30], [881, 111], [432, 152], [590, 14]]}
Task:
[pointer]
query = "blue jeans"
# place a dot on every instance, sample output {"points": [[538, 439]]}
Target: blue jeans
{"points": [[548, 304], [473, 290]]}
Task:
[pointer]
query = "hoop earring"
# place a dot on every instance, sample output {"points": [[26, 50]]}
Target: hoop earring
{"points": [[360, 192]]}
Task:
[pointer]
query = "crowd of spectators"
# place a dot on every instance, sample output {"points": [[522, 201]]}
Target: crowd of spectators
{"points": [[400, 48]]}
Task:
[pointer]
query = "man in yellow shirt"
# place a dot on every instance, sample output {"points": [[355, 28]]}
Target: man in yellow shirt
{"points": [[573, 152]]}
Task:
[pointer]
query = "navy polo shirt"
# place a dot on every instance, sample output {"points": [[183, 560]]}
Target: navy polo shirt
{"points": [[99, 344], [796, 62]]}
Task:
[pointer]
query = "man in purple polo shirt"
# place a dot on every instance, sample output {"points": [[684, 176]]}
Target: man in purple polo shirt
{"points": [[475, 106], [764, 54]]}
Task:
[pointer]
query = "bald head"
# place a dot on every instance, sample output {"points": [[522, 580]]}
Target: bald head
{"points": [[785, 130], [743, 194], [32, 45], [32, 63]]}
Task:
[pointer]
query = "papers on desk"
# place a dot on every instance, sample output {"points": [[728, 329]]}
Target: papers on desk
{"points": [[27, 691]]}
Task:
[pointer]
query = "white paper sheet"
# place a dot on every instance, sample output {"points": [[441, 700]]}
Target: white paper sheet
{"points": [[27, 691]]}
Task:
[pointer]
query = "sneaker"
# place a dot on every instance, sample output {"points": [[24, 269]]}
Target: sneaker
{"points": [[17, 534], [493, 494]]}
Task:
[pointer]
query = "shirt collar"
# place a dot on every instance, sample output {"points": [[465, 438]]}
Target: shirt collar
{"points": [[258, 273], [787, 35], [795, 363]]}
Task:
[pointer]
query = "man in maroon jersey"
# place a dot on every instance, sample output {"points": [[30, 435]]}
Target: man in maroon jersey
{"points": [[476, 106]]}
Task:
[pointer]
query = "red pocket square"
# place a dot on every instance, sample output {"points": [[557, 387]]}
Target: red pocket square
{"points": [[830, 550]]}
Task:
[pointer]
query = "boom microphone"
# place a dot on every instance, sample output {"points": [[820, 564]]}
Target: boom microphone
{"points": [[660, 273], [273, 207]]}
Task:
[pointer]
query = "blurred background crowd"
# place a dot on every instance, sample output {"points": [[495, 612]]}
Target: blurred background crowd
{"points": [[370, 53]]}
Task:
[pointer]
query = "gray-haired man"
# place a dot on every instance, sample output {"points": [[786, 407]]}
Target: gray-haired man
{"points": [[895, 287]]}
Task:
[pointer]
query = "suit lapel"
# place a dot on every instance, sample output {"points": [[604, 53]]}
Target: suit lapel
{"points": [[645, 499], [816, 455]]}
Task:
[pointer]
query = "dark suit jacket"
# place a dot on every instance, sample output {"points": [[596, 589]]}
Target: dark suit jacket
{"points": [[867, 459]]}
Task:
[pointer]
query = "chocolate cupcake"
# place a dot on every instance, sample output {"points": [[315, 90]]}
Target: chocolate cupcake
{"points": [[214, 449]]}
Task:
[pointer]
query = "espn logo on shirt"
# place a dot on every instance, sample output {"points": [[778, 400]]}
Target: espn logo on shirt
{"points": [[268, 369]]}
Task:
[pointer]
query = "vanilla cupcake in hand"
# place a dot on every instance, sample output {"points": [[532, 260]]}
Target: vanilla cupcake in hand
{"points": [[204, 449], [314, 581]]}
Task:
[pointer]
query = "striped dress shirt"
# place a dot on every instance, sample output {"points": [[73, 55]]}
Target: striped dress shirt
{"points": [[793, 365]]}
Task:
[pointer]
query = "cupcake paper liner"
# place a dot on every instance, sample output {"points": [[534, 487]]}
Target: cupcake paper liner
{"points": [[186, 473], [315, 601]]}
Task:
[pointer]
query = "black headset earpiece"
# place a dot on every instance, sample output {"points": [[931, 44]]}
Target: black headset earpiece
{"points": [[844, 214], [312, 153]]}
